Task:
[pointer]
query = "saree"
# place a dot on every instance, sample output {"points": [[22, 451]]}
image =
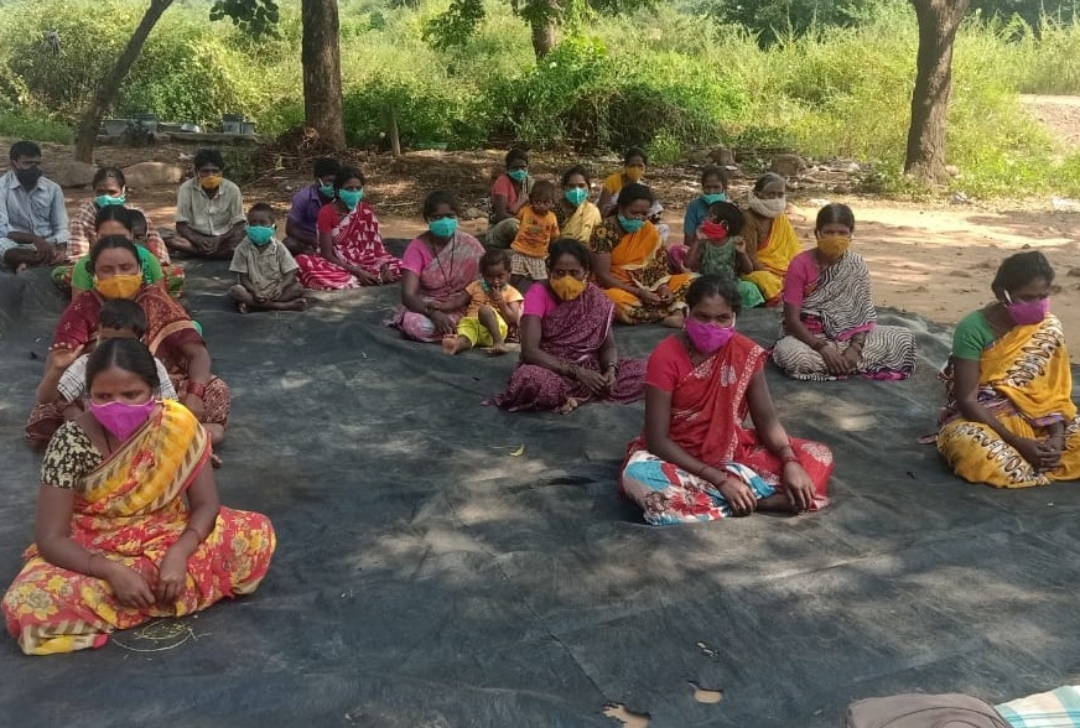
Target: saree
{"points": [[775, 255], [442, 276], [1025, 380], [638, 259], [573, 332], [130, 508], [577, 222], [708, 407], [836, 307], [357, 240]]}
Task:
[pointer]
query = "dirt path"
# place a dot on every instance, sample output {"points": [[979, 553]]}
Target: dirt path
{"points": [[1059, 114]]}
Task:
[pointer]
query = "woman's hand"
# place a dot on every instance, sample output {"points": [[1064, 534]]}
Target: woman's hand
{"points": [[665, 294], [1035, 452], [798, 487], [365, 278], [595, 381], [62, 357], [172, 577], [738, 495], [129, 586], [851, 358], [195, 404], [834, 360], [611, 378], [443, 324], [648, 297]]}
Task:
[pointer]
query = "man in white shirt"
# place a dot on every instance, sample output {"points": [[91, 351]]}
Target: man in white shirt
{"points": [[210, 219], [33, 219]]}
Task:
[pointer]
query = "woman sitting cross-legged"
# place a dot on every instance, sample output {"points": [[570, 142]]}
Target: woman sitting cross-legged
{"points": [[568, 352], [695, 461], [128, 525], [830, 325], [1010, 420]]}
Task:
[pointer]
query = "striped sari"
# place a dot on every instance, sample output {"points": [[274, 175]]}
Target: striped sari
{"points": [[130, 508]]}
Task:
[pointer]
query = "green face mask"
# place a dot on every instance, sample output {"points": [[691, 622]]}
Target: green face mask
{"points": [[327, 191], [575, 195], [518, 175], [718, 197], [260, 234], [351, 198], [107, 200]]}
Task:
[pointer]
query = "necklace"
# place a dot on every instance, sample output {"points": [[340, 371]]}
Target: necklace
{"points": [[449, 247]]}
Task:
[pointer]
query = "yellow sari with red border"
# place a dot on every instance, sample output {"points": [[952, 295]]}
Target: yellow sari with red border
{"points": [[639, 260], [130, 508]]}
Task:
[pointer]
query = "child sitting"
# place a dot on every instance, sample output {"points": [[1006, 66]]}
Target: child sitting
{"points": [[172, 275], [65, 371], [265, 268], [718, 250], [537, 230], [495, 307]]}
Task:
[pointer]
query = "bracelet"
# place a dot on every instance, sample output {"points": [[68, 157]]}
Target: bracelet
{"points": [[429, 309], [820, 344], [612, 366], [196, 389], [571, 370]]}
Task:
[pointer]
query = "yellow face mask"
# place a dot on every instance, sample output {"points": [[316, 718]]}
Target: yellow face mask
{"points": [[119, 286], [211, 182], [634, 174], [567, 288], [833, 246]]}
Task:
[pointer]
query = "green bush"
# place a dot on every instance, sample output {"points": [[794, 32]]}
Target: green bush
{"points": [[17, 125]]}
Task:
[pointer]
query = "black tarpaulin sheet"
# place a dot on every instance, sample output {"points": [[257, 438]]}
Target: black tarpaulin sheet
{"points": [[427, 576]]}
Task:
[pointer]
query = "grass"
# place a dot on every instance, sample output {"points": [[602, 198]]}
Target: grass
{"points": [[17, 125]]}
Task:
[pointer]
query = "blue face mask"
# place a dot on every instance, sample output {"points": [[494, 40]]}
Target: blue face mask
{"points": [[518, 175], [576, 195], [351, 198], [327, 191], [107, 200], [443, 227], [718, 197], [629, 224], [260, 234]]}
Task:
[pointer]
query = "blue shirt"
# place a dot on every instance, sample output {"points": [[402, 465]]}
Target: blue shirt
{"points": [[39, 211], [696, 213]]}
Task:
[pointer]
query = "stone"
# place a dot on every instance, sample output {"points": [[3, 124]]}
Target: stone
{"points": [[145, 175], [70, 174], [952, 170], [474, 213], [788, 165], [723, 157]]}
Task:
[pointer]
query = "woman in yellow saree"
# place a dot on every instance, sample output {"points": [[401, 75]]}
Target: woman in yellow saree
{"points": [[128, 525], [771, 241], [1010, 421], [631, 265]]}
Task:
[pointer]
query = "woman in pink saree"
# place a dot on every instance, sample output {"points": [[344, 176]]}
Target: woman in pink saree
{"points": [[435, 270], [568, 352]]}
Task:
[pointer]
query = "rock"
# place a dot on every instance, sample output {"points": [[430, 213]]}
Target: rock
{"points": [[473, 213], [960, 198], [71, 174], [1064, 204], [722, 156], [952, 170], [788, 165], [1073, 273], [145, 175], [818, 202]]}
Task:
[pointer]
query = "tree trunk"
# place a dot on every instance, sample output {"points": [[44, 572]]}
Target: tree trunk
{"points": [[90, 122], [542, 16], [321, 59], [938, 22]]}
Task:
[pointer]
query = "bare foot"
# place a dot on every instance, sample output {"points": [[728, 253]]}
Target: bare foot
{"points": [[242, 308], [449, 345], [498, 349], [21, 267], [675, 321], [215, 461], [569, 406]]}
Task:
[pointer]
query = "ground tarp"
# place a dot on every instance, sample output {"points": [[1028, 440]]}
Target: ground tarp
{"points": [[427, 575]]}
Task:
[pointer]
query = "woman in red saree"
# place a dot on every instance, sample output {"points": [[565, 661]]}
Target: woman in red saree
{"points": [[129, 527], [437, 267], [170, 336], [695, 461], [568, 352], [351, 250]]}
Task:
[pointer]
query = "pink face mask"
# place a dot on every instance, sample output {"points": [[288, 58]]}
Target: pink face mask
{"points": [[708, 338], [1029, 312], [120, 418]]}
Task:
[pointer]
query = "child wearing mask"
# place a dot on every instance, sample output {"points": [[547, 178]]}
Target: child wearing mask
{"points": [[537, 230], [265, 269], [495, 307], [718, 250]]}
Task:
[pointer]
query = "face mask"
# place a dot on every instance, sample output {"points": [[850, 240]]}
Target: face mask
{"points": [[629, 224], [260, 234], [108, 200], [767, 208], [28, 177], [567, 288], [518, 175], [634, 174], [487, 287], [120, 418], [443, 227], [327, 191], [833, 246], [713, 199], [351, 198], [211, 182], [1027, 313], [119, 286], [575, 195], [708, 338], [714, 230]]}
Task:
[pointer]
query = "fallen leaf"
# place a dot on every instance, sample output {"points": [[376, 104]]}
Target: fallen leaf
{"points": [[519, 452], [704, 695]]}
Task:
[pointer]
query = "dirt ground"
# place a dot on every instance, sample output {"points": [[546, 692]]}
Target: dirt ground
{"points": [[935, 259]]}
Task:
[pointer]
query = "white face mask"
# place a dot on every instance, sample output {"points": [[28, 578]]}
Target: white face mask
{"points": [[767, 208]]}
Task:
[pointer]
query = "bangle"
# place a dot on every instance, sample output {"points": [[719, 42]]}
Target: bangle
{"points": [[196, 389], [612, 366], [791, 459], [820, 344]]}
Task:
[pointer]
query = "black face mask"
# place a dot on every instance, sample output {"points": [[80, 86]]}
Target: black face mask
{"points": [[28, 177]]}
